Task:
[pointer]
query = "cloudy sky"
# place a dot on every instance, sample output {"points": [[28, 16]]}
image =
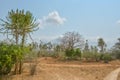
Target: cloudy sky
{"points": [[91, 18]]}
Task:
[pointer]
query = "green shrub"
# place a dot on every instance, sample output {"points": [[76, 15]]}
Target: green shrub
{"points": [[77, 53], [6, 58], [9, 54], [96, 56], [92, 56], [87, 55], [116, 54], [107, 57], [73, 53]]}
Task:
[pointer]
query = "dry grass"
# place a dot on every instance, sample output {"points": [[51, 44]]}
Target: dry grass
{"points": [[52, 69]]}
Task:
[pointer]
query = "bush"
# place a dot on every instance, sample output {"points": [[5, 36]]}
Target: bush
{"points": [[9, 54], [73, 53], [88, 55], [69, 53], [116, 54], [93, 56], [77, 53], [107, 57], [6, 58], [96, 56]]}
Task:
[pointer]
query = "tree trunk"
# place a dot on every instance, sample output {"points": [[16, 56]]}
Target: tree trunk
{"points": [[21, 63], [16, 64], [23, 40], [20, 66], [16, 68]]}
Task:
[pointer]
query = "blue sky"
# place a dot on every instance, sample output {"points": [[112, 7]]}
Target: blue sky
{"points": [[91, 18]]}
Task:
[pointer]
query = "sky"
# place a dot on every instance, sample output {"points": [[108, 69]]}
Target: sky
{"points": [[91, 18]]}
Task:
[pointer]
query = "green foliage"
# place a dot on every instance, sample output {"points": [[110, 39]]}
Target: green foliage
{"points": [[96, 56], [19, 24], [116, 50], [107, 57], [77, 53], [69, 53], [101, 44], [9, 53], [89, 56], [73, 53], [116, 54]]}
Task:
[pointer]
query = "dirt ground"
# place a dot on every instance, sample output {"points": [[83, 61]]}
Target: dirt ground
{"points": [[118, 77], [54, 69]]}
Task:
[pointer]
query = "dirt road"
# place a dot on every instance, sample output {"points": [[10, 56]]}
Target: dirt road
{"points": [[113, 75]]}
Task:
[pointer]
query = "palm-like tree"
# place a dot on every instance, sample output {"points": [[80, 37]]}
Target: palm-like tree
{"points": [[101, 44], [11, 25], [28, 25], [19, 24]]}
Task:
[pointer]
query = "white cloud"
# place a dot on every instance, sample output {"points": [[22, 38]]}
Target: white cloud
{"points": [[52, 18]]}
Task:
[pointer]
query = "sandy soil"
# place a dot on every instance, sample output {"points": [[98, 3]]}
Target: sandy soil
{"points": [[118, 76], [113, 75], [53, 69]]}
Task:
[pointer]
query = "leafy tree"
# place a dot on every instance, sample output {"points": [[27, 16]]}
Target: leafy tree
{"points": [[96, 55], [101, 44], [116, 50]]}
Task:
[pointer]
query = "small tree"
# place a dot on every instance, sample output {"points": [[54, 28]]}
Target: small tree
{"points": [[86, 52], [78, 53], [116, 50], [96, 55], [101, 44]]}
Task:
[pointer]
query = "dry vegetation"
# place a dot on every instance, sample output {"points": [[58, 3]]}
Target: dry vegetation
{"points": [[54, 69]]}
